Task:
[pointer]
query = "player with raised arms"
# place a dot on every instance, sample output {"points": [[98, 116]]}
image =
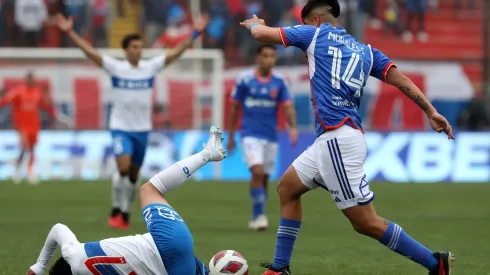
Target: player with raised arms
{"points": [[168, 246], [130, 119], [260, 92], [339, 68]]}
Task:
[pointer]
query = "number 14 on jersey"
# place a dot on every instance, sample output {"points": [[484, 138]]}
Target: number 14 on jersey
{"points": [[349, 71]]}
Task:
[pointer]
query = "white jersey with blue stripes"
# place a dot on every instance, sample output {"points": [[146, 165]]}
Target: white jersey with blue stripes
{"points": [[136, 254], [132, 104]]}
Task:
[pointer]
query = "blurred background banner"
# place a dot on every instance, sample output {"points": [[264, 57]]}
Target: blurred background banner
{"points": [[84, 92], [395, 157]]}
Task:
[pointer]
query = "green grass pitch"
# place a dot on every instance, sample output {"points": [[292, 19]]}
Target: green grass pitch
{"points": [[441, 216]]}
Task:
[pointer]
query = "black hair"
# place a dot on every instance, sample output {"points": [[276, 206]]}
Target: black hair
{"points": [[60, 267], [265, 46], [334, 7], [129, 38]]}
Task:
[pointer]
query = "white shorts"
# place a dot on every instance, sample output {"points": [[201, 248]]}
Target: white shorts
{"points": [[335, 162], [260, 152]]}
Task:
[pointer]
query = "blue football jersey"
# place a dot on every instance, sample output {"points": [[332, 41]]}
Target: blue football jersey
{"points": [[260, 99], [339, 68]]}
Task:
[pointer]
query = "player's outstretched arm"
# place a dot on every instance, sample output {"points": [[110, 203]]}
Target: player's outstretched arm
{"points": [[8, 98], [261, 32], [290, 114], [438, 122], [200, 24], [66, 25]]}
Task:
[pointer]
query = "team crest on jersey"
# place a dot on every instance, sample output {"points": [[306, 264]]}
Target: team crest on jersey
{"points": [[274, 92]]}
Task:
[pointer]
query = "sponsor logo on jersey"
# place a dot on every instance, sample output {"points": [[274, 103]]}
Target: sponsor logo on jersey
{"points": [[274, 92], [260, 103], [128, 84]]}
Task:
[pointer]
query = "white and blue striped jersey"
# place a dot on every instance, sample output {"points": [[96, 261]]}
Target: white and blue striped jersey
{"points": [[132, 105], [339, 67]]}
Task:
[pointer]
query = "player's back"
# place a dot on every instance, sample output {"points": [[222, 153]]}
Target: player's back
{"points": [[132, 255], [339, 67], [343, 68]]}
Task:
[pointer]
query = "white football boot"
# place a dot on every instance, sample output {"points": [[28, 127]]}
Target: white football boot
{"points": [[17, 176], [214, 146], [258, 224]]}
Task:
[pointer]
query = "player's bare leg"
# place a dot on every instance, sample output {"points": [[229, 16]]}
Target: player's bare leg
{"points": [[175, 175], [366, 221], [258, 195], [290, 190], [17, 176], [59, 236], [120, 182], [31, 173]]}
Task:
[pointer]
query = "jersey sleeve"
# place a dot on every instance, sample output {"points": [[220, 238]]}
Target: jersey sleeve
{"points": [[110, 63], [299, 36], [157, 63], [8, 98], [284, 94], [381, 65], [239, 91]]}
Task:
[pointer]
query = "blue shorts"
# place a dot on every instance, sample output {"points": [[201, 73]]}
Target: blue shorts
{"points": [[416, 6], [130, 143], [173, 240]]}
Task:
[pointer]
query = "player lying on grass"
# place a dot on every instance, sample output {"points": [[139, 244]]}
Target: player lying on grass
{"points": [[27, 100], [339, 68], [166, 249], [260, 92], [130, 120]]}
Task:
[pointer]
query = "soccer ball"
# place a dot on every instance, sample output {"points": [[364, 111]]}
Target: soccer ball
{"points": [[228, 262]]}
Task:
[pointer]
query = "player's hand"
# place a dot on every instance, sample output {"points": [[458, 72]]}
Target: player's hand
{"points": [[293, 136], [65, 120], [440, 124], [63, 23], [201, 23], [231, 144], [30, 272], [254, 20]]}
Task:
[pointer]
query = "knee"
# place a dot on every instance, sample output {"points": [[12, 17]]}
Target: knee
{"points": [[123, 170], [288, 191], [258, 173]]}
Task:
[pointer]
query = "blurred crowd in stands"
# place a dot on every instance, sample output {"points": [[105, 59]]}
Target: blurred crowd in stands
{"points": [[167, 22]]}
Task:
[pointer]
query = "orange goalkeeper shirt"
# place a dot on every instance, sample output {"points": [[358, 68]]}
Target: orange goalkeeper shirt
{"points": [[26, 104]]}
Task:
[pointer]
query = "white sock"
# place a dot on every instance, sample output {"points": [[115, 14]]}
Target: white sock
{"points": [[128, 190], [59, 236], [179, 172], [117, 190], [132, 196]]}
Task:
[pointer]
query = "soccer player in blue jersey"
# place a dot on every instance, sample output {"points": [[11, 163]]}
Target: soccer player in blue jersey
{"points": [[259, 92], [130, 120], [339, 67]]}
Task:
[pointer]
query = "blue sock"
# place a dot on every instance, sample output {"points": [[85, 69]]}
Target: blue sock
{"points": [[397, 240], [258, 200], [286, 235]]}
